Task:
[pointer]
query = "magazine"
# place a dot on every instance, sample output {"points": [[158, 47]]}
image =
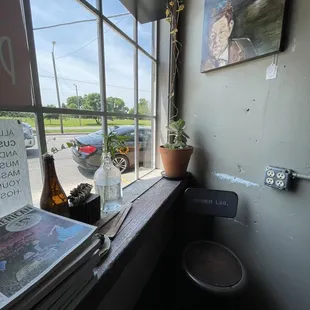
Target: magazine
{"points": [[33, 243], [61, 280], [70, 284]]}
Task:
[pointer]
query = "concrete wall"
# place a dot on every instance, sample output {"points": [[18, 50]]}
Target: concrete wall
{"points": [[239, 123]]}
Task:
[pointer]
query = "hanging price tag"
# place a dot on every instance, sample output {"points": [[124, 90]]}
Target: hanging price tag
{"points": [[272, 72]]}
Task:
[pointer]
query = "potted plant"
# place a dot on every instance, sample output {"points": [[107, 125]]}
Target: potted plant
{"points": [[176, 155]]}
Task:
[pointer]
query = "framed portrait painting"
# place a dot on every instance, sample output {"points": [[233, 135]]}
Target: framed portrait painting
{"points": [[235, 31]]}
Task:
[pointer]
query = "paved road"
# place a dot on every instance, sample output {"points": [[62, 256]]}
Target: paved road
{"points": [[88, 128], [68, 172]]}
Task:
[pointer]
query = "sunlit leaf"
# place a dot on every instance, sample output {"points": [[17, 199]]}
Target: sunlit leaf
{"points": [[171, 3], [167, 12], [174, 31], [181, 8], [54, 150], [181, 123]]}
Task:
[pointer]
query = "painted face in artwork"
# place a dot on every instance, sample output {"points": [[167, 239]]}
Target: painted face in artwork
{"points": [[219, 36]]}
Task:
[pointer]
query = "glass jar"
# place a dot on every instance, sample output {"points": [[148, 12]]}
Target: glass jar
{"points": [[108, 185]]}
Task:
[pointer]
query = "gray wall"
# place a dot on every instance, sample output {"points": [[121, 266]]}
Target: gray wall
{"points": [[271, 232], [162, 107]]}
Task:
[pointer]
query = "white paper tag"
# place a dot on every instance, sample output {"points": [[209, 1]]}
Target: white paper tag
{"points": [[271, 72]]}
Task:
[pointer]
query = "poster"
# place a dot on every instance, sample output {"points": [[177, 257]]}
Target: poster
{"points": [[15, 78], [15, 189]]}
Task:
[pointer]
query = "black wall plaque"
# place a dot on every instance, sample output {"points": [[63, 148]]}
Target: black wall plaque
{"points": [[211, 202]]}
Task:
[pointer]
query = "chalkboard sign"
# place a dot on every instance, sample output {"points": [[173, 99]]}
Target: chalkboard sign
{"points": [[211, 202], [15, 189]]}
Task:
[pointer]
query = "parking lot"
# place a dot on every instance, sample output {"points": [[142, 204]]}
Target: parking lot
{"points": [[69, 174]]}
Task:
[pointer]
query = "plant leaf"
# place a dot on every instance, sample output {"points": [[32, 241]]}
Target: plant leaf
{"points": [[181, 8], [167, 12], [181, 123], [171, 3], [186, 135]]}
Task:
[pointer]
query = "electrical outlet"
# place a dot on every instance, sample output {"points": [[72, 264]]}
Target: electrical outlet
{"points": [[270, 173], [279, 183], [279, 178]]}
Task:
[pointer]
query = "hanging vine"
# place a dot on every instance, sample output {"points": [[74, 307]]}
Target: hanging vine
{"points": [[173, 9]]}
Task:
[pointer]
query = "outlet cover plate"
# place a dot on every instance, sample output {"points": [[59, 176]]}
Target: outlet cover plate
{"points": [[279, 178]]}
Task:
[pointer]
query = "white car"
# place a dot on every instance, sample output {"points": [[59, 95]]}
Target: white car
{"points": [[28, 135]]}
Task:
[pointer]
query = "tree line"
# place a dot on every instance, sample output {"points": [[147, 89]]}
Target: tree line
{"points": [[90, 102]]}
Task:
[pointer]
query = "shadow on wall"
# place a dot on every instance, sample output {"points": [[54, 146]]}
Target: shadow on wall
{"points": [[200, 160], [257, 297]]}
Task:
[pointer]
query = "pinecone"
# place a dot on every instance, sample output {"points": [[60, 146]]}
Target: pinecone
{"points": [[80, 194]]}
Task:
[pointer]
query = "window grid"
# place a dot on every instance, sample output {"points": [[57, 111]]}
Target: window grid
{"points": [[39, 110]]}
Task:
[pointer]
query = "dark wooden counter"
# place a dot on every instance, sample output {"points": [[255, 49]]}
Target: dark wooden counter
{"points": [[146, 214]]}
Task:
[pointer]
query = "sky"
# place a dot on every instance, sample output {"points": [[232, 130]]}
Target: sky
{"points": [[76, 51]]}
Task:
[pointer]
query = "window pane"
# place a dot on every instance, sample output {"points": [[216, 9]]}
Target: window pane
{"points": [[119, 15], [146, 146], [119, 63], [146, 37], [31, 144], [69, 172], [93, 3], [76, 165], [146, 85], [126, 162], [75, 54]]}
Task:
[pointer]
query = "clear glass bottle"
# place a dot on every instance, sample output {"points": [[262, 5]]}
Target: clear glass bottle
{"points": [[108, 185]]}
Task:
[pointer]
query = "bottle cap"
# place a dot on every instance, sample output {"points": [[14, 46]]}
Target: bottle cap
{"points": [[48, 157]]}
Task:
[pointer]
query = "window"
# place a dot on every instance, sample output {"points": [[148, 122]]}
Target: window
{"points": [[96, 74]]}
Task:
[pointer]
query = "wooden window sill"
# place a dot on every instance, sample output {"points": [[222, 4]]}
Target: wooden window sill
{"points": [[147, 210]]}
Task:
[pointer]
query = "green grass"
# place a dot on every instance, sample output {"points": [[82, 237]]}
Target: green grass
{"points": [[75, 124]]}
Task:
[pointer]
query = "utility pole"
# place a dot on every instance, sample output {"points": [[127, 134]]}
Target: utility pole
{"points": [[57, 88], [78, 102]]}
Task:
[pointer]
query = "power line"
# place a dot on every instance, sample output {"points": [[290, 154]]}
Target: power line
{"points": [[89, 42], [60, 74], [78, 22], [66, 24], [52, 89], [77, 49], [95, 83], [47, 71], [87, 82]]}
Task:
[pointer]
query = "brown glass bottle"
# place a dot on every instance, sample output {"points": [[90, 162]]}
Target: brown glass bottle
{"points": [[53, 198]]}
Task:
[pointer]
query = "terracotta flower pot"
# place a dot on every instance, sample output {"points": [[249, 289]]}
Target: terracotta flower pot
{"points": [[175, 161]]}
